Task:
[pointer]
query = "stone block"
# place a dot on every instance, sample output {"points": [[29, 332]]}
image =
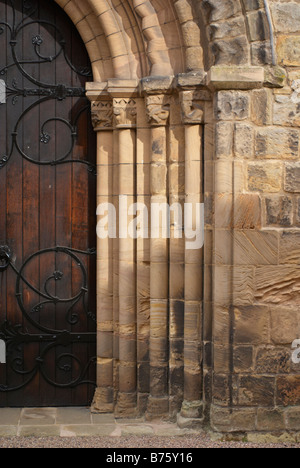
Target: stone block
{"points": [[243, 359], [258, 25], [289, 247], [261, 53], [251, 5], [288, 50], [288, 390], [292, 177], [232, 105], [284, 325], [286, 16], [256, 390], [279, 211], [251, 325], [247, 211], [270, 419], [278, 285], [255, 247], [215, 10], [235, 77], [236, 420], [277, 143], [264, 177], [243, 141], [272, 360], [292, 415], [286, 112], [231, 28], [224, 140]]}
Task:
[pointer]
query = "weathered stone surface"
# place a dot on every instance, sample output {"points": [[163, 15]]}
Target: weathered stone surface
{"points": [[286, 16], [256, 390], [220, 9], [235, 77], [275, 76], [273, 361], [278, 284], [262, 106], [232, 105], [224, 139], [293, 418], [277, 143], [226, 420], [243, 359], [286, 111], [264, 177], [258, 25], [243, 141], [288, 390], [270, 419], [292, 178], [253, 4], [288, 50], [289, 247], [279, 211], [284, 325], [231, 28], [251, 325]]}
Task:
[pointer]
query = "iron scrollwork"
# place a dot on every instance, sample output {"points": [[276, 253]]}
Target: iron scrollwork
{"points": [[5, 257], [70, 370], [40, 89]]}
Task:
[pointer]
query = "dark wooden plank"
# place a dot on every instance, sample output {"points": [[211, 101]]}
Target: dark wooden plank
{"points": [[47, 206]]}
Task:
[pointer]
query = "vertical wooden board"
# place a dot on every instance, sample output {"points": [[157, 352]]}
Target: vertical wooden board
{"points": [[48, 205], [47, 195]]}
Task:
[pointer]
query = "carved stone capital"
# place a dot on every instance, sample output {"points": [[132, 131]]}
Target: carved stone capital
{"points": [[125, 112], [192, 106], [158, 109], [102, 115]]}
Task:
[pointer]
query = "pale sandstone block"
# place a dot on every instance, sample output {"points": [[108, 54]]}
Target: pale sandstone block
{"points": [[285, 325], [277, 143], [243, 141], [224, 140], [288, 50], [262, 106], [277, 285], [279, 211], [264, 177], [252, 325], [232, 105]]}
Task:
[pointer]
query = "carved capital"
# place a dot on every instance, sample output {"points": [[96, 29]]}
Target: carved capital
{"points": [[102, 115], [158, 109], [125, 112], [192, 106]]}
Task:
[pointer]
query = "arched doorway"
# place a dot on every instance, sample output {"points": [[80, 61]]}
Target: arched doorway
{"points": [[48, 196]]}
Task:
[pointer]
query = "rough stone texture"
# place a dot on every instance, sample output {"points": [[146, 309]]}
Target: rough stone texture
{"points": [[206, 92]]}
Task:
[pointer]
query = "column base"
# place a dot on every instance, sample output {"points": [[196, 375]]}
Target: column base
{"points": [[191, 415], [158, 408], [103, 401]]}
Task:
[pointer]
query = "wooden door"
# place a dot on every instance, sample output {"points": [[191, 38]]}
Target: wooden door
{"points": [[47, 209]]}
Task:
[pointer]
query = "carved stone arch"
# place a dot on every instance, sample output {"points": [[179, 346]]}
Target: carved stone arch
{"points": [[137, 38]]}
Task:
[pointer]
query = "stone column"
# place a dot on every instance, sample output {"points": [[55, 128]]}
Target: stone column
{"points": [[158, 109], [193, 118], [102, 119], [125, 123]]}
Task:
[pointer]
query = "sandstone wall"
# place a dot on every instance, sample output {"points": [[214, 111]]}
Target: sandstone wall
{"points": [[257, 245]]}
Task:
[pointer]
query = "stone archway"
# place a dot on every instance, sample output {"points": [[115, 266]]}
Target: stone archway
{"points": [[171, 81]]}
